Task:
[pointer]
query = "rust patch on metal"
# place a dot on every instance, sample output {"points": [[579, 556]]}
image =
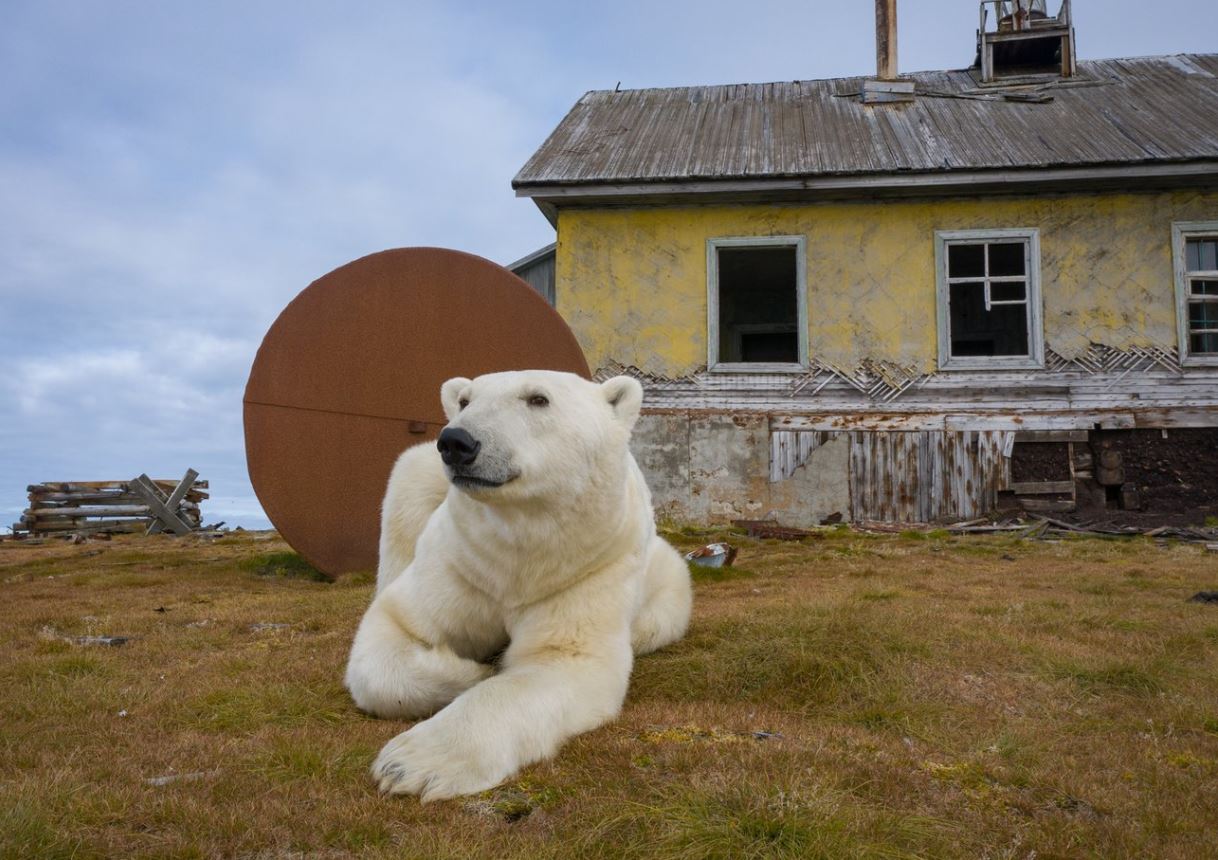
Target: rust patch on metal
{"points": [[349, 376]]}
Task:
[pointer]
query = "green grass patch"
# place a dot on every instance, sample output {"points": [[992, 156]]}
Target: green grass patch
{"points": [[687, 824], [284, 564], [880, 594], [290, 758], [1114, 677], [243, 709], [28, 830], [791, 656]]}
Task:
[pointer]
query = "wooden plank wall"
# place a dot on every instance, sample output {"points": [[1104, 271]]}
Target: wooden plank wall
{"points": [[908, 476]]}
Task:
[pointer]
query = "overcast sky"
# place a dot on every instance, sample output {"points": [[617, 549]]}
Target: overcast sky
{"points": [[173, 173]]}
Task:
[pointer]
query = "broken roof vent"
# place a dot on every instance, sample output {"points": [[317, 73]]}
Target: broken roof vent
{"points": [[1019, 37], [886, 86]]}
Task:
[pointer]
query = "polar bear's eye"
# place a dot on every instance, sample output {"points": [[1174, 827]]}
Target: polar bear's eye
{"points": [[539, 400], [463, 402]]}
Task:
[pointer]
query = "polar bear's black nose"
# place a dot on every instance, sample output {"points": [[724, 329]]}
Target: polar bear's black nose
{"points": [[457, 447]]}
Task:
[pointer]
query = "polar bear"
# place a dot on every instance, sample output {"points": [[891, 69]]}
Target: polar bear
{"points": [[526, 532]]}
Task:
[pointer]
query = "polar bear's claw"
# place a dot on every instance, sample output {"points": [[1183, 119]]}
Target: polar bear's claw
{"points": [[416, 763]]}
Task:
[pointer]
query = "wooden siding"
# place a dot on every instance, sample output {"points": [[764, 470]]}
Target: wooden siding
{"points": [[1028, 400], [910, 476], [537, 270]]}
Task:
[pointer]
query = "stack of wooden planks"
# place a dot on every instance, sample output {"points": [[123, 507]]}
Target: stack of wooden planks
{"points": [[140, 504]]}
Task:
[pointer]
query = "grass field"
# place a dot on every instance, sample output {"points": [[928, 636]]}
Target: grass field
{"points": [[850, 696]]}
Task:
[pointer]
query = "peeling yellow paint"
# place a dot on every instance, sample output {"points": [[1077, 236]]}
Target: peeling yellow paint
{"points": [[631, 282]]}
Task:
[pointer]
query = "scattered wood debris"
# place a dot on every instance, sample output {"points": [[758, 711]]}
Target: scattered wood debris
{"points": [[1038, 526], [1193, 534], [81, 509]]}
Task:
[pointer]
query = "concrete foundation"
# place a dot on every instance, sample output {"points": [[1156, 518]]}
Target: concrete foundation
{"points": [[708, 468]]}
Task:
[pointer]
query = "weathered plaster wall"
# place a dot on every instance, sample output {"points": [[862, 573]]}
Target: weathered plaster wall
{"points": [[632, 281], [715, 468]]}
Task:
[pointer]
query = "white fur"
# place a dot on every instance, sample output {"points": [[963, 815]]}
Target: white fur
{"points": [[560, 564]]}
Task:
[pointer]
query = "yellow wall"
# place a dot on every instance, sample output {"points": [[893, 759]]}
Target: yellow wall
{"points": [[632, 282]]}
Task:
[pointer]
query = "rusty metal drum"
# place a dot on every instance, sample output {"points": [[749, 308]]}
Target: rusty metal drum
{"points": [[349, 376]]}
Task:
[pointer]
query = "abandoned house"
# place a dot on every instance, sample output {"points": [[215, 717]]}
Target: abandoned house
{"points": [[910, 297]]}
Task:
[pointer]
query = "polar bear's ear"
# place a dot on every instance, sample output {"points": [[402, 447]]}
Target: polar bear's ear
{"points": [[450, 395], [625, 395]]}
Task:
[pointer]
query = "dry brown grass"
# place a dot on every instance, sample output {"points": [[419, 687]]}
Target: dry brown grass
{"points": [[922, 697]]}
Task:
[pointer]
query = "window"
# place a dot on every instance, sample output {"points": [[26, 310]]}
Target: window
{"points": [[1195, 250], [757, 316], [989, 299]]}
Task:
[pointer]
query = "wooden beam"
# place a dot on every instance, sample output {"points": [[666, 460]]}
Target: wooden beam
{"points": [[144, 486], [1038, 488], [1049, 505], [886, 39], [175, 499], [94, 511], [1051, 436]]}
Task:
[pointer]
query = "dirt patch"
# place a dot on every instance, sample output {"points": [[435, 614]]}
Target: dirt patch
{"points": [[1175, 472], [1040, 461]]}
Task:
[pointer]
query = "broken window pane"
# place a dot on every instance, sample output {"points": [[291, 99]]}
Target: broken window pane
{"points": [[1201, 255], [965, 261], [1006, 258], [758, 305], [1002, 330], [1205, 288]]}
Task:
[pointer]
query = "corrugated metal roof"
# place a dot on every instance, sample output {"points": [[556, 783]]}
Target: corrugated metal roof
{"points": [[1116, 112]]}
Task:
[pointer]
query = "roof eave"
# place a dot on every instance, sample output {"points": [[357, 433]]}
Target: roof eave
{"points": [[549, 197]]}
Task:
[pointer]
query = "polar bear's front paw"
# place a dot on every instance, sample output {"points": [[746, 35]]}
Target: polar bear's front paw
{"points": [[434, 764]]}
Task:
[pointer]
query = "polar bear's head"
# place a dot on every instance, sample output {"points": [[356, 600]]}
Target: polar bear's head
{"points": [[535, 433]]}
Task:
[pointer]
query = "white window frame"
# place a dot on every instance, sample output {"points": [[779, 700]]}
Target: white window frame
{"points": [[1036, 331], [1182, 231], [799, 243]]}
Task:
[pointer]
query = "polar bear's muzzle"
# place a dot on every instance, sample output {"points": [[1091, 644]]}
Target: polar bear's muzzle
{"points": [[459, 450]]}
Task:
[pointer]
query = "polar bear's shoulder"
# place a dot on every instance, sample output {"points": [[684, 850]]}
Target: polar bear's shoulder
{"points": [[417, 486]]}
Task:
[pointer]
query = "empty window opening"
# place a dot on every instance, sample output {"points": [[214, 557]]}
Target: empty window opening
{"points": [[757, 287], [758, 317]]}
